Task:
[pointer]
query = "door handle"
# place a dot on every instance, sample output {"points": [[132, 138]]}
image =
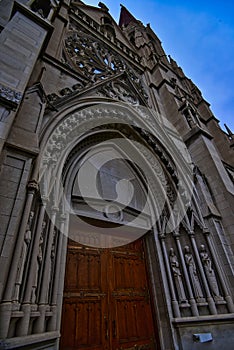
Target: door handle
{"points": [[106, 327], [114, 328]]}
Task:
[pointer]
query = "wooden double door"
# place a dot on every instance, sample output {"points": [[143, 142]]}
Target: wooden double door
{"points": [[106, 302]]}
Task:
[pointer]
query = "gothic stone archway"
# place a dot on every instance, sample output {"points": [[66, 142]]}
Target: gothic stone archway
{"points": [[107, 298], [85, 123]]}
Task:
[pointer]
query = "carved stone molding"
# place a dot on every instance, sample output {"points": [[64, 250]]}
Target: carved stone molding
{"points": [[161, 189], [10, 97], [75, 125]]}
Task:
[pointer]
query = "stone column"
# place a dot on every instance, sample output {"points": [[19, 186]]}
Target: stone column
{"points": [[22, 328], [44, 290], [210, 300], [61, 267], [174, 302], [58, 278], [5, 307], [226, 293], [190, 292]]}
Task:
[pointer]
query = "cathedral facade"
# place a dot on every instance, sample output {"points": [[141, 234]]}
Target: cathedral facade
{"points": [[116, 188]]}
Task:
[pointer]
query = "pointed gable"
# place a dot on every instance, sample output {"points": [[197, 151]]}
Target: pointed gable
{"points": [[125, 17]]}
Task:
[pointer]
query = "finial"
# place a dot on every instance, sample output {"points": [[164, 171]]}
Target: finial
{"points": [[103, 6], [230, 133]]}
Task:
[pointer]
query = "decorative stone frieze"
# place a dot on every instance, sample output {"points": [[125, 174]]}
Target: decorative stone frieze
{"points": [[9, 95]]}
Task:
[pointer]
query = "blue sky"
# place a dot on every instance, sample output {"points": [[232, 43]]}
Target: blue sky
{"points": [[199, 35]]}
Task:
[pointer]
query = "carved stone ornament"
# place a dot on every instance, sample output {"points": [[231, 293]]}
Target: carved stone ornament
{"points": [[23, 257], [39, 263], [10, 94], [33, 185], [193, 275], [90, 57], [119, 91], [95, 61], [83, 121], [77, 123], [210, 274], [175, 266]]}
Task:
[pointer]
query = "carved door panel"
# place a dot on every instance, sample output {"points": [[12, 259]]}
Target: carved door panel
{"points": [[106, 300], [132, 319], [84, 319]]}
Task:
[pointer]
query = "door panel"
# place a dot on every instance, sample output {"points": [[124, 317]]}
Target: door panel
{"points": [[83, 270], [106, 299], [130, 298], [85, 299], [134, 323], [83, 325]]}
